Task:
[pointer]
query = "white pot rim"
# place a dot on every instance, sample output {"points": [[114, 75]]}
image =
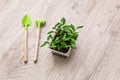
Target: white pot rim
{"points": [[61, 53]]}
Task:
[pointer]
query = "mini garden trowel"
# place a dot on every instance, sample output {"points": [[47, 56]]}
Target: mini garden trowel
{"points": [[26, 21], [39, 22]]}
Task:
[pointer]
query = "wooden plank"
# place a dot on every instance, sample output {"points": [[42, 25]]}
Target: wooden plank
{"points": [[98, 46]]}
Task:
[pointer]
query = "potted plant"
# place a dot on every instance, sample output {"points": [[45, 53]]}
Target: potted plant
{"points": [[62, 38]]}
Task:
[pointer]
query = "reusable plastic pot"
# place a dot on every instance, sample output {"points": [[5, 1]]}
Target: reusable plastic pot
{"points": [[67, 54]]}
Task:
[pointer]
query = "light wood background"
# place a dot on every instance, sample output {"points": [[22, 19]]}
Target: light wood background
{"points": [[97, 56]]}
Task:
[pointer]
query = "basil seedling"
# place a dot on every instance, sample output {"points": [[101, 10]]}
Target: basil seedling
{"points": [[65, 36]]}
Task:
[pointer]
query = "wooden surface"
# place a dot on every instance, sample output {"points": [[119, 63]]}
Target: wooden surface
{"points": [[97, 56]]}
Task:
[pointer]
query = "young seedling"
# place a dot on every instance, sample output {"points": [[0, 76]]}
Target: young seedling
{"points": [[62, 38], [39, 22], [26, 21]]}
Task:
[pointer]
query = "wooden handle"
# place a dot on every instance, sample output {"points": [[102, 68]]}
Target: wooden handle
{"points": [[37, 46], [26, 47]]}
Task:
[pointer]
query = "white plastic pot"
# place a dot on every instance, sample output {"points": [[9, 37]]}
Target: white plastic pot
{"points": [[67, 54]]}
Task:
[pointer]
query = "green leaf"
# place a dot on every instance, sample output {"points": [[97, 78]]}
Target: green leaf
{"points": [[61, 47], [80, 27], [57, 40], [67, 39], [73, 39], [67, 28], [61, 32], [56, 26], [53, 46], [50, 32], [58, 47], [70, 34], [64, 37], [73, 27], [46, 42], [50, 37], [72, 45], [63, 43], [63, 20], [75, 35], [66, 46]]}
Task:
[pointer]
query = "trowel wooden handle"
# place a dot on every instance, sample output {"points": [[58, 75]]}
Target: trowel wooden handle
{"points": [[26, 47], [37, 46]]}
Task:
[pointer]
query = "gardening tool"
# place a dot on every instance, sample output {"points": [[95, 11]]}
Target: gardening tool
{"points": [[26, 21], [39, 22]]}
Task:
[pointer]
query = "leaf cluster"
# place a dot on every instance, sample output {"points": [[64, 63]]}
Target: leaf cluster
{"points": [[65, 36]]}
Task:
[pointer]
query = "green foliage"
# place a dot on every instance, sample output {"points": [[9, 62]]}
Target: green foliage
{"points": [[26, 21], [46, 42], [80, 27], [50, 32], [65, 36], [63, 21], [50, 37]]}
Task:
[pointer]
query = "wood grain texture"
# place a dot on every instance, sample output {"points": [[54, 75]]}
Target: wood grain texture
{"points": [[37, 46], [97, 56], [26, 47]]}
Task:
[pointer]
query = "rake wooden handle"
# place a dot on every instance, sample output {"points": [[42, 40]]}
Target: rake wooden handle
{"points": [[26, 47], [37, 46]]}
